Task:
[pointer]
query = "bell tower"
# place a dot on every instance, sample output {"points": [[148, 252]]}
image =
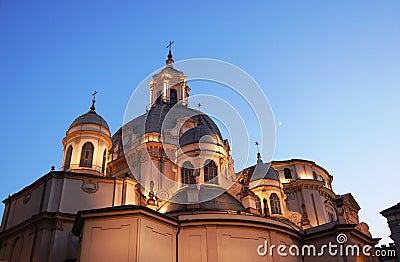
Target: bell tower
{"points": [[169, 85]]}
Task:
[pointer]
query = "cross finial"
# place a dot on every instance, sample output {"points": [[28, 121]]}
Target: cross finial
{"points": [[170, 45], [258, 151], [170, 61], [200, 120], [92, 108]]}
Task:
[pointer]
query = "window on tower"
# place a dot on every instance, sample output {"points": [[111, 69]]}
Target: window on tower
{"points": [[173, 96], [288, 173], [68, 158], [87, 155], [275, 204], [210, 172]]}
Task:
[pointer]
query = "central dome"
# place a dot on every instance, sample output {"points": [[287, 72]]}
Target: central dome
{"points": [[197, 134], [165, 116]]}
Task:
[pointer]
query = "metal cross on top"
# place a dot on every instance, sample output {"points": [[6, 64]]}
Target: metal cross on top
{"points": [[258, 152], [199, 105], [257, 144], [93, 100], [94, 94], [170, 45]]}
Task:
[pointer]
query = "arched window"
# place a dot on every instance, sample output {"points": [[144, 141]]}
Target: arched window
{"points": [[210, 172], [87, 155], [68, 157], [173, 96], [288, 173], [187, 172], [321, 178], [103, 165], [275, 204]]}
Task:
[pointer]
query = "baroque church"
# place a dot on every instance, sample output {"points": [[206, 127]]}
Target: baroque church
{"points": [[106, 203]]}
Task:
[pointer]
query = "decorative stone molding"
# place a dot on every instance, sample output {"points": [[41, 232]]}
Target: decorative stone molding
{"points": [[27, 197], [294, 217], [58, 226], [363, 227], [90, 186], [290, 196]]}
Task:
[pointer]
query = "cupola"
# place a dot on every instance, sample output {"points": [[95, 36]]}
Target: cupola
{"points": [[169, 85], [87, 143]]}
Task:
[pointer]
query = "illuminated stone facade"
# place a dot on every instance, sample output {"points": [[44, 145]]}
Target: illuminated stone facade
{"points": [[95, 209]]}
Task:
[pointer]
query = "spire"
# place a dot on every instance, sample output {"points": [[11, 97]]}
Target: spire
{"points": [[92, 108], [169, 61], [258, 153]]}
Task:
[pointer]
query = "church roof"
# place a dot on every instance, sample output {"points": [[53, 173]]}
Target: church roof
{"points": [[394, 208], [90, 117], [222, 201]]}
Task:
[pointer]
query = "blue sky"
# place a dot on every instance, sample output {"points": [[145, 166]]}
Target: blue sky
{"points": [[330, 69]]}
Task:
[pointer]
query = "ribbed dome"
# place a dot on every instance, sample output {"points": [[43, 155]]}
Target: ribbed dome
{"points": [[90, 117], [222, 201], [165, 116], [194, 135]]}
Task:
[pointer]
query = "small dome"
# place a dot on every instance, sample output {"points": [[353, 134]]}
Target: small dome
{"points": [[223, 201], [194, 135], [90, 117], [262, 171]]}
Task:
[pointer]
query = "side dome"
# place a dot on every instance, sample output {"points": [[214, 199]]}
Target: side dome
{"points": [[263, 171], [260, 171], [90, 117], [86, 144], [197, 134]]}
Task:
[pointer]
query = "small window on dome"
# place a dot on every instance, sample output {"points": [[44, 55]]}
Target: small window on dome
{"points": [[210, 172], [68, 158], [275, 204], [288, 173], [87, 155]]}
